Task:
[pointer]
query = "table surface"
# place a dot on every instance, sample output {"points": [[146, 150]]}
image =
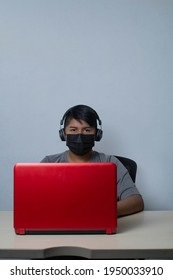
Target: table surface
{"points": [[147, 235]]}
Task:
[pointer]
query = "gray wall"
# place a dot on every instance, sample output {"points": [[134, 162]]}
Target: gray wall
{"points": [[113, 55]]}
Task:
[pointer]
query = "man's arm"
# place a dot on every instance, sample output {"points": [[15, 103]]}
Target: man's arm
{"points": [[130, 205]]}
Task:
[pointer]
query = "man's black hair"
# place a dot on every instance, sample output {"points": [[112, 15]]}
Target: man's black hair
{"points": [[82, 113]]}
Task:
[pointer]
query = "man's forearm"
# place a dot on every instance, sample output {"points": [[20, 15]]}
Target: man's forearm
{"points": [[130, 205]]}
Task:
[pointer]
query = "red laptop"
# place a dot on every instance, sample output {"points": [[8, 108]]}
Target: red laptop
{"points": [[65, 198]]}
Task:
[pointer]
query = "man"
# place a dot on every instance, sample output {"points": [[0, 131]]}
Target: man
{"points": [[80, 132]]}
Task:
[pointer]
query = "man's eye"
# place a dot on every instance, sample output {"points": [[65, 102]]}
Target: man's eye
{"points": [[87, 130]]}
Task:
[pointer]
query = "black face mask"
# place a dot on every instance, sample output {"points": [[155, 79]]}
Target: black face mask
{"points": [[80, 144]]}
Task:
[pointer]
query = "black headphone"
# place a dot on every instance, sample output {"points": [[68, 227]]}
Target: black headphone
{"points": [[99, 132]]}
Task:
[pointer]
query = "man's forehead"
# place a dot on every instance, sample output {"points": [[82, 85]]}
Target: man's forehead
{"points": [[76, 123]]}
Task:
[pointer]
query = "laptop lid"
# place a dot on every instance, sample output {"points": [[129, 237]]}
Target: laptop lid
{"points": [[65, 197]]}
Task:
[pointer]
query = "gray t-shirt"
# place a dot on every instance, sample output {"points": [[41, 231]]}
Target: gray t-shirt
{"points": [[125, 185]]}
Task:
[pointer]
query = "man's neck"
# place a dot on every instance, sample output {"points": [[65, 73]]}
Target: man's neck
{"points": [[76, 158]]}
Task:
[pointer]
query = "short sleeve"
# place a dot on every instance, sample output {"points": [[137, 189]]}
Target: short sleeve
{"points": [[125, 185]]}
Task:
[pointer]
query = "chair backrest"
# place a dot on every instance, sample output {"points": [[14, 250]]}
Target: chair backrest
{"points": [[130, 165]]}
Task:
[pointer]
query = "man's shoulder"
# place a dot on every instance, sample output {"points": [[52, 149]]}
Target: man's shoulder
{"points": [[61, 157], [102, 157]]}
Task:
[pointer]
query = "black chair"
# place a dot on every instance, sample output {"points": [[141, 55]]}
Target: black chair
{"points": [[130, 165]]}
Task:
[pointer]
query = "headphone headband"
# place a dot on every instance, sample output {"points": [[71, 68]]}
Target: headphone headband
{"points": [[69, 110]]}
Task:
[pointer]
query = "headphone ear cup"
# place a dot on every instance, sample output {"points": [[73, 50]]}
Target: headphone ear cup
{"points": [[61, 134], [99, 135]]}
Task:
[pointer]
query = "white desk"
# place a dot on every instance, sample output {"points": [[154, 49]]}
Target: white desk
{"points": [[148, 235]]}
